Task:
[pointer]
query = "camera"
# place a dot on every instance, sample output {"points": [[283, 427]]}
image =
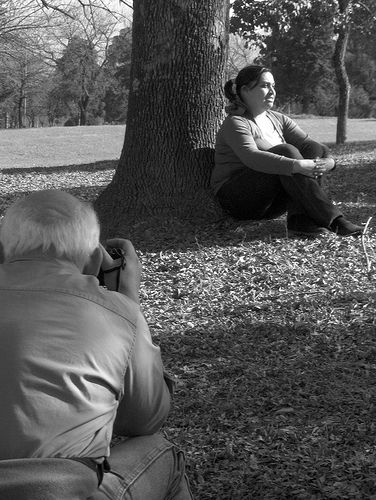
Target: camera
{"points": [[120, 262], [116, 253]]}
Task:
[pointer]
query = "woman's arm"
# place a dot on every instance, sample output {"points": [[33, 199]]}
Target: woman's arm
{"points": [[310, 166], [237, 133]]}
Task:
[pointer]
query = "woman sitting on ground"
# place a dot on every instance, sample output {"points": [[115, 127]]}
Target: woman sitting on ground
{"points": [[266, 165]]}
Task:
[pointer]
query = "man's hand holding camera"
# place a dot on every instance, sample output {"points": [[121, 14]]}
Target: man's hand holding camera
{"points": [[126, 274]]}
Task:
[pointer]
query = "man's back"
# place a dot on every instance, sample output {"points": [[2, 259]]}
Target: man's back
{"points": [[77, 363], [65, 346]]}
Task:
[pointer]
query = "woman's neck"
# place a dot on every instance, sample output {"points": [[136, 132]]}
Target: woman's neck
{"points": [[256, 115], [260, 114]]}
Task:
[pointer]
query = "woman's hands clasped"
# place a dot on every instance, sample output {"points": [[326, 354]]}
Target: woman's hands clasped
{"points": [[313, 168]]}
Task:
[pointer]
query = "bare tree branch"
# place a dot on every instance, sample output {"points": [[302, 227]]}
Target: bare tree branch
{"points": [[57, 9], [126, 4]]}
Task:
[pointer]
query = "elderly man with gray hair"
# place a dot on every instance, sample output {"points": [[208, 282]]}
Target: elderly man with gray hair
{"points": [[77, 363]]}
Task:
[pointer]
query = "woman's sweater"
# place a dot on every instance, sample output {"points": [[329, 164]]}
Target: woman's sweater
{"points": [[240, 144]]}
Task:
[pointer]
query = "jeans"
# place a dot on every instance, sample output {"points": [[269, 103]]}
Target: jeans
{"points": [[145, 468], [142, 468], [46, 478], [255, 195]]}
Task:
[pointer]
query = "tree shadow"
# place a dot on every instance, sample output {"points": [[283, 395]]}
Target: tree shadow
{"points": [[352, 186], [352, 183], [83, 167], [270, 378], [85, 192]]}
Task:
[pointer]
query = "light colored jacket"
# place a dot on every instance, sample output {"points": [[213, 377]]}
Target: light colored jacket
{"points": [[73, 355]]}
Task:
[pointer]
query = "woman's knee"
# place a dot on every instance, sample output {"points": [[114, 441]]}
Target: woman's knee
{"points": [[287, 150], [314, 149]]}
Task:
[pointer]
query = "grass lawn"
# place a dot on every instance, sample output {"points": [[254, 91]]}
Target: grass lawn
{"points": [[324, 129], [57, 146], [273, 340]]}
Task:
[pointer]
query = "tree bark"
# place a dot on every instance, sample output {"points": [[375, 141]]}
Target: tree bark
{"points": [[22, 108], [83, 105], [341, 73], [175, 107]]}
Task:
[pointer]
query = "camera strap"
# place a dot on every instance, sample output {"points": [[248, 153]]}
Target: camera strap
{"points": [[120, 262]]}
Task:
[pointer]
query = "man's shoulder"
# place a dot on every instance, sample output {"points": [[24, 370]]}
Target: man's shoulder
{"points": [[115, 302], [33, 286], [87, 288]]}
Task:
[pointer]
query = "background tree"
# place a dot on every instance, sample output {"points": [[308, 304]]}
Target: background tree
{"points": [[259, 21], [21, 70], [175, 108], [84, 43], [23, 79], [361, 67], [343, 27], [117, 70], [42, 31], [298, 58], [240, 54], [77, 72], [349, 14]]}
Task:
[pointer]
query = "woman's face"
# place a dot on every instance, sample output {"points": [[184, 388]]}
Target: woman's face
{"points": [[261, 97]]}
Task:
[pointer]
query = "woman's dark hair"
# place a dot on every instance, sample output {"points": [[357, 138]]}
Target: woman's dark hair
{"points": [[249, 74]]}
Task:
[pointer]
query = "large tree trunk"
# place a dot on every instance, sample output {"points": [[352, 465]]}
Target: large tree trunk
{"points": [[175, 108], [341, 73]]}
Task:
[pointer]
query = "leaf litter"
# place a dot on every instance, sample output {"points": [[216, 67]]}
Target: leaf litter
{"points": [[273, 342]]}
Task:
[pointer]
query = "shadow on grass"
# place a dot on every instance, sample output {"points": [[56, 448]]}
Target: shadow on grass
{"points": [[275, 392], [352, 187], [87, 193], [354, 184], [84, 167]]}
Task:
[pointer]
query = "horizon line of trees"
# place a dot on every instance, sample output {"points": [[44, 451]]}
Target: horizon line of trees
{"points": [[80, 78], [79, 90], [322, 53], [62, 63]]}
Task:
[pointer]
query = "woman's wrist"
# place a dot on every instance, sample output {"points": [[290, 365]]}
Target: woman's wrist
{"points": [[300, 165]]}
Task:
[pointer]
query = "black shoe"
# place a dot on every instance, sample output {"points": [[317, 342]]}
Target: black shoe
{"points": [[302, 225], [344, 227]]}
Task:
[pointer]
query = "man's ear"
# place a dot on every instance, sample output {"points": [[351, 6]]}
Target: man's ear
{"points": [[93, 264]]}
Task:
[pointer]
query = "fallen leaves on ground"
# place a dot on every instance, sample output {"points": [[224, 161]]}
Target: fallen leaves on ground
{"points": [[273, 342]]}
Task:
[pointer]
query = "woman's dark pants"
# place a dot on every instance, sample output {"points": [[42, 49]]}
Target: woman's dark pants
{"points": [[255, 195]]}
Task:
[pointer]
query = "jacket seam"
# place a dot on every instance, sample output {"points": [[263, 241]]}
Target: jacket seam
{"points": [[75, 294]]}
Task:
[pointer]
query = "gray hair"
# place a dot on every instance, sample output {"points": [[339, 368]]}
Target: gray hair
{"points": [[50, 221]]}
